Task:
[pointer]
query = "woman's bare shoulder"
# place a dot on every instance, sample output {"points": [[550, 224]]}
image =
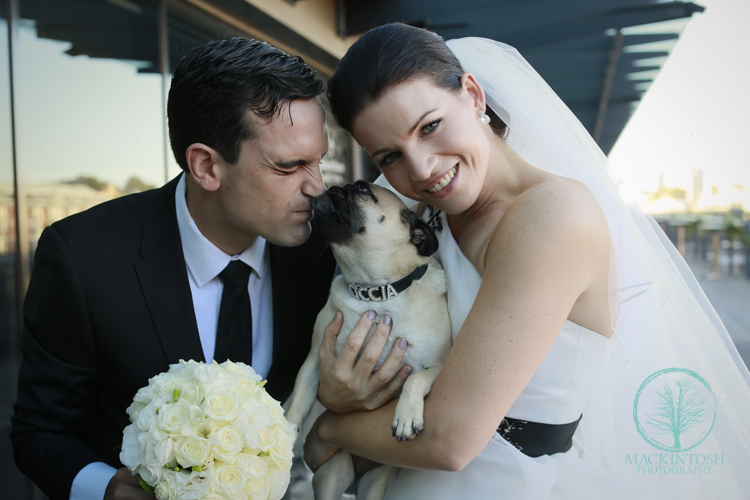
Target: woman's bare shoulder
{"points": [[558, 216]]}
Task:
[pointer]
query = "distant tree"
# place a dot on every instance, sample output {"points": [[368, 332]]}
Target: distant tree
{"points": [[91, 182], [679, 409], [135, 185]]}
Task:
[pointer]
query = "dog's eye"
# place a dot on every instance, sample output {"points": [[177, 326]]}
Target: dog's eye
{"points": [[362, 230], [382, 218]]}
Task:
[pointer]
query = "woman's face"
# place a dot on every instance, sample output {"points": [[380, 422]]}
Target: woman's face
{"points": [[429, 142]]}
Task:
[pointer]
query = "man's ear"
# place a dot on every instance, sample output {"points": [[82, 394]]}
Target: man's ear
{"points": [[203, 162]]}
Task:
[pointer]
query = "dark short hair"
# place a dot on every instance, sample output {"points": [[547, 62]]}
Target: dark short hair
{"points": [[215, 84], [385, 57]]}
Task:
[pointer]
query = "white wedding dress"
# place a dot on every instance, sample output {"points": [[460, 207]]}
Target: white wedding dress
{"points": [[556, 394], [666, 333]]}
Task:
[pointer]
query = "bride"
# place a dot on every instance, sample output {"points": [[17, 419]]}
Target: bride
{"points": [[586, 363]]}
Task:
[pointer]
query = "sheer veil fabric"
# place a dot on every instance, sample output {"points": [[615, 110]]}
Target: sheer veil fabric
{"points": [[670, 412]]}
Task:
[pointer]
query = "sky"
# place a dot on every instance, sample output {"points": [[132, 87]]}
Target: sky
{"points": [[696, 115]]}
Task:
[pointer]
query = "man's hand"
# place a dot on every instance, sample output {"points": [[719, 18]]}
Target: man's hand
{"points": [[349, 384], [124, 486]]}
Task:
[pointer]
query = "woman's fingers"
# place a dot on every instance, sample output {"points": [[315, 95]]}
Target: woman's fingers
{"points": [[356, 339], [390, 389], [374, 349], [347, 382], [331, 335]]}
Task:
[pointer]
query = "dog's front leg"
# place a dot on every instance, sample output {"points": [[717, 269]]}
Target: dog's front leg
{"points": [[374, 483], [333, 477], [409, 419]]}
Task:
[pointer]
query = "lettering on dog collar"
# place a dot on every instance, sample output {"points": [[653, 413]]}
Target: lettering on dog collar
{"points": [[377, 293]]}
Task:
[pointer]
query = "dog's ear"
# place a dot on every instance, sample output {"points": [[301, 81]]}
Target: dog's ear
{"points": [[422, 235]]}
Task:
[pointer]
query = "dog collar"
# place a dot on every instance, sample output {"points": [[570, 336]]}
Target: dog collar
{"points": [[376, 293]]}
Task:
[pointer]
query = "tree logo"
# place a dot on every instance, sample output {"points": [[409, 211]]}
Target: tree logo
{"points": [[674, 409]]}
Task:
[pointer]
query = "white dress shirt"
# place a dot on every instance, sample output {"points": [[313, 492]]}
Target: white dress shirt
{"points": [[204, 262]]}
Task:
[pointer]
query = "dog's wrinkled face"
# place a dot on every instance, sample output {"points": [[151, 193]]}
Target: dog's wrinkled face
{"points": [[370, 229]]}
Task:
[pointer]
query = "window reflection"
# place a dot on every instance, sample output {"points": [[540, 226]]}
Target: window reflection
{"points": [[88, 104]]}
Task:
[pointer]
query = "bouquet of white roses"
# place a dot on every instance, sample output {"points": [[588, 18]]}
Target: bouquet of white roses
{"points": [[208, 431]]}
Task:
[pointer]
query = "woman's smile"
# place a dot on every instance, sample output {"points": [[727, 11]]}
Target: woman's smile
{"points": [[443, 181], [444, 185]]}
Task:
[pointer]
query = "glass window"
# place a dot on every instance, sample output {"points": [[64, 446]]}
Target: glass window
{"points": [[15, 484], [89, 119]]}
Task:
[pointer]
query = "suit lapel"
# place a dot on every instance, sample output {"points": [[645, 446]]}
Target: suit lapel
{"points": [[163, 277]]}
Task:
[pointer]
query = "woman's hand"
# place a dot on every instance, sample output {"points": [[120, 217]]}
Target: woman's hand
{"points": [[316, 451], [347, 382]]}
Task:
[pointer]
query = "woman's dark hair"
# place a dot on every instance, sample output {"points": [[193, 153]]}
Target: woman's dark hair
{"points": [[385, 57], [214, 85]]}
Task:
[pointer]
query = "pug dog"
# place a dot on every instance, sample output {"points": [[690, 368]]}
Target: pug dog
{"points": [[386, 256]]}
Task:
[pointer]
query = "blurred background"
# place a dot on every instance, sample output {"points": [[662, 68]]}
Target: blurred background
{"points": [[661, 86]]}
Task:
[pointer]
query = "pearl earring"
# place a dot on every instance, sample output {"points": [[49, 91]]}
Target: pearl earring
{"points": [[483, 117]]}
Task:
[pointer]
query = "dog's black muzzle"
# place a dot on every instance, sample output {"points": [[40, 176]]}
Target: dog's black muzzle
{"points": [[338, 212]]}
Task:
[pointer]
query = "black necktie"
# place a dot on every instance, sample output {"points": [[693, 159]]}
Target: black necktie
{"points": [[234, 339]]}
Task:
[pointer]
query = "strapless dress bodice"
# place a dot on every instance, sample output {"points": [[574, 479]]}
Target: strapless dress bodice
{"points": [[558, 391]]}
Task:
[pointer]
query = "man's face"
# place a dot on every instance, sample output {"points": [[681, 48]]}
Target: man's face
{"points": [[268, 192]]}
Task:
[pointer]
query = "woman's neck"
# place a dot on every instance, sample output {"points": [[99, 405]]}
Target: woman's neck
{"points": [[507, 176]]}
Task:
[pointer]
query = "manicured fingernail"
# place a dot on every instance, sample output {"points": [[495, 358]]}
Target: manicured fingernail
{"points": [[408, 370], [402, 344], [387, 320], [371, 315], [335, 316]]}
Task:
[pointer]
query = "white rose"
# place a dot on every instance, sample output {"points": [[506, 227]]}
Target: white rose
{"points": [[152, 439], [133, 449], [199, 428], [228, 478], [173, 417], [249, 392], [242, 371], [282, 449], [214, 376], [227, 443], [253, 465], [192, 451], [258, 488], [191, 392], [196, 487], [221, 403], [167, 487], [213, 495], [165, 383], [274, 406], [279, 482], [251, 422], [144, 417], [163, 452]]}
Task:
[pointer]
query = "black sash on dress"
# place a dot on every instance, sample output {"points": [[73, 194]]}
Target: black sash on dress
{"points": [[536, 439]]}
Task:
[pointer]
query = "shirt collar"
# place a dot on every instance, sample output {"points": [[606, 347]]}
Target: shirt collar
{"points": [[204, 259]]}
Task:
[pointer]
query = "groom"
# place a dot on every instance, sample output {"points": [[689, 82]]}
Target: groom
{"points": [[123, 290]]}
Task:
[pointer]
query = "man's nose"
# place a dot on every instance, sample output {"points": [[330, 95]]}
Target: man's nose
{"points": [[314, 185]]}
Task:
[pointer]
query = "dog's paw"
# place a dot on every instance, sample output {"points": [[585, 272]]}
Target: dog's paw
{"points": [[407, 425]]}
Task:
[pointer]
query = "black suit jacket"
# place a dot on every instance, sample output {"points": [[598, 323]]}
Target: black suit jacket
{"points": [[109, 306]]}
